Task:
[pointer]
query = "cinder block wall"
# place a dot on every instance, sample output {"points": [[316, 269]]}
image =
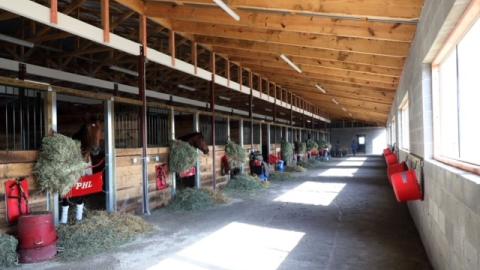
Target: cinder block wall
{"points": [[375, 138], [448, 220]]}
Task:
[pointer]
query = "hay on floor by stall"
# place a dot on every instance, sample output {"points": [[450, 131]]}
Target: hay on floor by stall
{"points": [[99, 232], [244, 182], [190, 199], [296, 168], [310, 164], [8, 251], [280, 176]]}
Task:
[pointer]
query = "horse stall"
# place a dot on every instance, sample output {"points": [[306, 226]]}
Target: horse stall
{"points": [[21, 132], [129, 154], [206, 161]]}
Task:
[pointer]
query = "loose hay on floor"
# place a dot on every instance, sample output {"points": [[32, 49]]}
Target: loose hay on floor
{"points": [[190, 199], [280, 176], [244, 182], [99, 232], [311, 164], [8, 251], [296, 168]]}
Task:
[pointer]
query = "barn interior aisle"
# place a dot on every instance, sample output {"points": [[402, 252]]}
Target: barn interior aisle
{"points": [[326, 218]]}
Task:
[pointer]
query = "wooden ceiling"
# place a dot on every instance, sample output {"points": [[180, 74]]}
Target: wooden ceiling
{"points": [[354, 49]]}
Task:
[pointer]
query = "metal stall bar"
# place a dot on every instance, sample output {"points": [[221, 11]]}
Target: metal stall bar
{"points": [[110, 187], [50, 128], [171, 124], [196, 128], [212, 109]]}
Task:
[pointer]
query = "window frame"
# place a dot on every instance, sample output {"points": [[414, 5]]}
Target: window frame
{"points": [[468, 19], [404, 126]]}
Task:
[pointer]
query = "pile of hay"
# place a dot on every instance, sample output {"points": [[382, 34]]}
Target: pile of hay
{"points": [[310, 164], [191, 199], [99, 232], [182, 156], [60, 164], [236, 154], [244, 183], [286, 150], [8, 251], [300, 147], [279, 176], [296, 168], [311, 145]]}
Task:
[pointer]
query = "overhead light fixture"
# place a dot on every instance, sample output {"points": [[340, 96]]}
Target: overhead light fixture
{"points": [[344, 109], [290, 63], [124, 70], [186, 87], [16, 41], [227, 9], [350, 115], [321, 88], [335, 101], [224, 98]]}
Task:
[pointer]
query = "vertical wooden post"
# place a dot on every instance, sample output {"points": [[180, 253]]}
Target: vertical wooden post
{"points": [[143, 33], [212, 109], [228, 72], [260, 86], [54, 11], [250, 103], [110, 185], [106, 20], [274, 103], [171, 45], [269, 141], [240, 77], [143, 116], [292, 101], [196, 128], [228, 128], [194, 57]]}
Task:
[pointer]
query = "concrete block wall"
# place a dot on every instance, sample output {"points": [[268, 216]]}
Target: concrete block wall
{"points": [[448, 220], [375, 138]]}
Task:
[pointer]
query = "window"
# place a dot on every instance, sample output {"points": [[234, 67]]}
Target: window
{"points": [[456, 100], [394, 131], [404, 125]]}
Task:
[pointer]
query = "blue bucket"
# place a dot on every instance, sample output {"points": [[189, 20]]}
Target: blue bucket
{"points": [[280, 166]]}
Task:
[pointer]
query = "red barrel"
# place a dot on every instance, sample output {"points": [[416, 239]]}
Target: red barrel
{"points": [[396, 168], [391, 159], [406, 187], [40, 254], [36, 230]]}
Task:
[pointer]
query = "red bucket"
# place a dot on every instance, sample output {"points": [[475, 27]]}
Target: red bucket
{"points": [[396, 168], [36, 230], [387, 151], [40, 254], [391, 159], [406, 187]]}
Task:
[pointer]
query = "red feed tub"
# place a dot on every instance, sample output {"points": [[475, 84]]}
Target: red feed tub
{"points": [[406, 187], [387, 151], [36, 230], [396, 168], [391, 159], [40, 254]]}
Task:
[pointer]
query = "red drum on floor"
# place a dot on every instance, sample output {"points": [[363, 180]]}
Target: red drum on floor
{"points": [[406, 187], [391, 159], [40, 254], [396, 168], [36, 230]]}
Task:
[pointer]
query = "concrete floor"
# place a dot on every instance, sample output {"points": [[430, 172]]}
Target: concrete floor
{"points": [[342, 216]]}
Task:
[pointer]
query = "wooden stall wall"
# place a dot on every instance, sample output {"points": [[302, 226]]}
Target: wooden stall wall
{"points": [[129, 179], [206, 167], [15, 164]]}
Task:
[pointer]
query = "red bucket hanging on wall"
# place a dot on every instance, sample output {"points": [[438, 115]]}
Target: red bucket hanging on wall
{"points": [[391, 159], [16, 198], [387, 151], [396, 168], [161, 171], [406, 186]]}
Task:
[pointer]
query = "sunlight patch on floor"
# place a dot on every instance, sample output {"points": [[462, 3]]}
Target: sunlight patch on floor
{"points": [[237, 246], [357, 158], [339, 172], [312, 193], [351, 163]]}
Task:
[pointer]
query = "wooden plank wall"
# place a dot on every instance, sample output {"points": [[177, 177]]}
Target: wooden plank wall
{"points": [[15, 164], [206, 167]]}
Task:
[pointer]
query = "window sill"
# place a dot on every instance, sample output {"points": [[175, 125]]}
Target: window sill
{"points": [[451, 167]]}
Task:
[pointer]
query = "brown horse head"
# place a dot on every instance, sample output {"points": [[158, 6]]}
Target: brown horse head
{"points": [[90, 136], [196, 140]]}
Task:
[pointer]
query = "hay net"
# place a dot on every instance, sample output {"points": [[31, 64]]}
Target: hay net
{"points": [[236, 154], [60, 164], [286, 149], [182, 156]]}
